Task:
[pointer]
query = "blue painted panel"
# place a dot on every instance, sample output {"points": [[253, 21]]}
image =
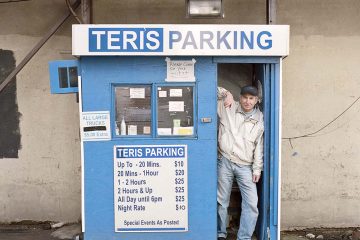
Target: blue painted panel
{"points": [[54, 75], [264, 195], [99, 73], [153, 36], [98, 76], [275, 141]]}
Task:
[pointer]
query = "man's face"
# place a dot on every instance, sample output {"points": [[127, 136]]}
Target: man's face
{"points": [[247, 102]]}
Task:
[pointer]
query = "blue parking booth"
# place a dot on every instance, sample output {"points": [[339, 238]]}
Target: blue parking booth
{"points": [[148, 124]]}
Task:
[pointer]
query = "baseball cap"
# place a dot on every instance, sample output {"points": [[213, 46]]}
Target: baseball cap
{"points": [[249, 90]]}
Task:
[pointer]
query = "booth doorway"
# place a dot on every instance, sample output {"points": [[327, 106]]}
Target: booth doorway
{"points": [[233, 75]]}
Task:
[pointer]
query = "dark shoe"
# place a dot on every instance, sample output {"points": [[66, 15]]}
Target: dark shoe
{"points": [[221, 238]]}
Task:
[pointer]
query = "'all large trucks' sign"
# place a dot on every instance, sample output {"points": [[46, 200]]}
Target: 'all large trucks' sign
{"points": [[150, 188]]}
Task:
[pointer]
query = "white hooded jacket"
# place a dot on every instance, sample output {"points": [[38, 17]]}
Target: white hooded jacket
{"points": [[240, 137]]}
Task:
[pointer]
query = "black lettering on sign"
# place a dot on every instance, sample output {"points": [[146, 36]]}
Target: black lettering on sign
{"points": [[9, 115], [97, 128]]}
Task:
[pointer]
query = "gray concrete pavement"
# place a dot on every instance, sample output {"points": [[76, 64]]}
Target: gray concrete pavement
{"points": [[70, 231], [31, 234], [292, 237], [46, 235], [39, 232]]}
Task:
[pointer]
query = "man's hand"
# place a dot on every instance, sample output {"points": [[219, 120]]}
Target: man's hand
{"points": [[256, 178], [228, 100]]}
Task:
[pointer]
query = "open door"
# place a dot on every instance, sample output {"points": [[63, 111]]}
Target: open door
{"points": [[264, 73], [262, 228]]}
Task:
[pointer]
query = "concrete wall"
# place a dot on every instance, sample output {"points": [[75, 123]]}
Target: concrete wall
{"points": [[170, 11], [320, 174], [43, 183]]}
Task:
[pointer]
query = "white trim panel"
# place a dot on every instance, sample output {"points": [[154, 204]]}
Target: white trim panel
{"points": [[179, 40]]}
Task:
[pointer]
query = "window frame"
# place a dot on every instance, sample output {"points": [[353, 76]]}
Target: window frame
{"points": [[154, 110], [54, 67], [177, 84], [113, 112]]}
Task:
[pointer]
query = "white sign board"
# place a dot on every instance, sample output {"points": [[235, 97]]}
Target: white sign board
{"points": [[180, 40], [150, 188], [180, 71], [95, 126]]}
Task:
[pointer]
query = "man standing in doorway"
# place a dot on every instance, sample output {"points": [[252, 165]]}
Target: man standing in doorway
{"points": [[240, 147]]}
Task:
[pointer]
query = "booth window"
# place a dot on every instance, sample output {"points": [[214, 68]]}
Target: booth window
{"points": [[73, 76], [64, 76], [68, 77], [133, 110], [175, 111]]}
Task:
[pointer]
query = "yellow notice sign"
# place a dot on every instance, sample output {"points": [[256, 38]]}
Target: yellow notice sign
{"points": [[183, 130]]}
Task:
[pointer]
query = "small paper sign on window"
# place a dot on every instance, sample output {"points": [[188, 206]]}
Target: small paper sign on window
{"points": [[180, 71], [183, 130], [176, 106], [175, 92], [137, 92]]}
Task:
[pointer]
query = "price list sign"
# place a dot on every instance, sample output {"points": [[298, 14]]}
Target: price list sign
{"points": [[150, 188]]}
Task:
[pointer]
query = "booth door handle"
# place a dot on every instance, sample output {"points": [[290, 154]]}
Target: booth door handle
{"points": [[206, 120]]}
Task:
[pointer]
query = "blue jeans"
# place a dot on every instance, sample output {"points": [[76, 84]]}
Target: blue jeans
{"points": [[227, 170]]}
